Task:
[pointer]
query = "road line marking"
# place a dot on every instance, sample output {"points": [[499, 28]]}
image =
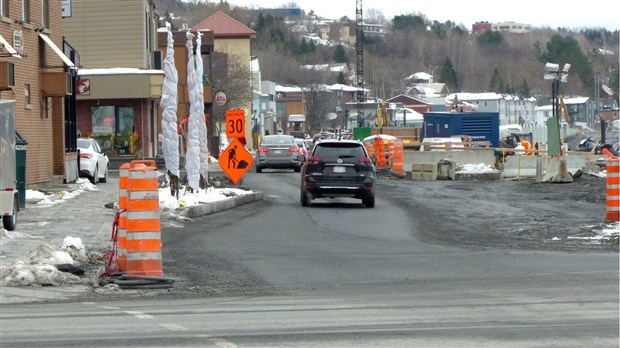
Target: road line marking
{"points": [[109, 307], [140, 315], [174, 327], [220, 342]]}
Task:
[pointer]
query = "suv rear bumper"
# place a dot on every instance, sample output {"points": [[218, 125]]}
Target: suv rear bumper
{"points": [[341, 189]]}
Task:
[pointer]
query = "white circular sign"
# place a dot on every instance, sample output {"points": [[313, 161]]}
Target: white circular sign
{"points": [[220, 98]]}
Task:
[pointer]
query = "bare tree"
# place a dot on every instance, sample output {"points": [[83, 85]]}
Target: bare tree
{"points": [[319, 103], [374, 16], [231, 75]]}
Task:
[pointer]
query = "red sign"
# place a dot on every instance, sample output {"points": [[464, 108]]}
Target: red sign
{"points": [[235, 161], [235, 123]]}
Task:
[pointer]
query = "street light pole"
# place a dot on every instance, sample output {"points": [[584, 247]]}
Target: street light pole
{"points": [[554, 74]]}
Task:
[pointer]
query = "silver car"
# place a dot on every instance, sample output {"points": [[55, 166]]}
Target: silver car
{"points": [[278, 151]]}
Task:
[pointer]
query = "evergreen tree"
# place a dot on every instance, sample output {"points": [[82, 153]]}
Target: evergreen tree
{"points": [[565, 49], [448, 74], [490, 39], [495, 81], [341, 79], [340, 56], [524, 90]]}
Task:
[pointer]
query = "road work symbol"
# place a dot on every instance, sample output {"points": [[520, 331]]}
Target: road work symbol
{"points": [[235, 160]]}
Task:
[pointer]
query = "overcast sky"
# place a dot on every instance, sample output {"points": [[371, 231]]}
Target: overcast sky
{"points": [[536, 12]]}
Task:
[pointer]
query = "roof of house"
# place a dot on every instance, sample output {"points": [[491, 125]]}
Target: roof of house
{"points": [[224, 25], [406, 100]]}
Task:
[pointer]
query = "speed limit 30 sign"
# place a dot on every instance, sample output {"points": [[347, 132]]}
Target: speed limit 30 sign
{"points": [[235, 123]]}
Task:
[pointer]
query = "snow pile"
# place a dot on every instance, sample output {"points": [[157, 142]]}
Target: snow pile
{"points": [[186, 198], [43, 199], [40, 267], [472, 168]]}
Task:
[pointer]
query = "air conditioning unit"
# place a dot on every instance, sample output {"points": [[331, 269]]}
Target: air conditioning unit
{"points": [[56, 84], [7, 75], [157, 61]]}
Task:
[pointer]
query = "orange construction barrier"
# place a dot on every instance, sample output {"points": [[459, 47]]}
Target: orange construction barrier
{"points": [[390, 155], [381, 162], [123, 185], [527, 146], [613, 189], [143, 222], [397, 158]]}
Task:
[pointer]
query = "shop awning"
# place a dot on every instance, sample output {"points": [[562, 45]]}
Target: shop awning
{"points": [[5, 44], [57, 50]]}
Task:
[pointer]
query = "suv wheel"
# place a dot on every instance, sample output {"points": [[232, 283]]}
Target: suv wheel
{"points": [[369, 201], [259, 169], [305, 198], [297, 169]]}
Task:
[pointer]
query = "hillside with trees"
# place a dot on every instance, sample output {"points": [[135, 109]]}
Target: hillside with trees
{"points": [[489, 62]]}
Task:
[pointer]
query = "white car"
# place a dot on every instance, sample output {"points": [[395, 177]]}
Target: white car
{"points": [[303, 147], [93, 162]]}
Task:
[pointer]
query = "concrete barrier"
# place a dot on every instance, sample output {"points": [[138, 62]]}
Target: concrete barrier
{"points": [[523, 166], [469, 156]]}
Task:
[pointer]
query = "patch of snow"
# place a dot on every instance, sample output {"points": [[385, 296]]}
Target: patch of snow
{"points": [[476, 168]]}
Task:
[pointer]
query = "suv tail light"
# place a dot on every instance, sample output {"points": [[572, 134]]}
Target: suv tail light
{"points": [[263, 149], [365, 160], [293, 149], [86, 155], [314, 159]]}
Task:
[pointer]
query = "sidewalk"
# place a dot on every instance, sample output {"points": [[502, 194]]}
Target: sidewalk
{"points": [[84, 216]]}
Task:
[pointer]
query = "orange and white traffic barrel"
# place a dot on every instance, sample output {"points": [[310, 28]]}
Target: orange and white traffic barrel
{"points": [[144, 255], [381, 162], [123, 185], [397, 158], [613, 189]]}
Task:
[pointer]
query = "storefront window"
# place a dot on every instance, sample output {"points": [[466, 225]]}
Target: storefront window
{"points": [[113, 127], [104, 120]]}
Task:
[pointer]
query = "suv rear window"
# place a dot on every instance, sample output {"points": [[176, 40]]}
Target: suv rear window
{"points": [[334, 151]]}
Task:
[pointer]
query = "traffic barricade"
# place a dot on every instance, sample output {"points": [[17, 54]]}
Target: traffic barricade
{"points": [[381, 162], [397, 158], [123, 185], [613, 189], [144, 255]]}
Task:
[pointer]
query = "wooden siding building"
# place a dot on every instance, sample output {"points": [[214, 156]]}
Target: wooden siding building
{"points": [[120, 80], [38, 74]]}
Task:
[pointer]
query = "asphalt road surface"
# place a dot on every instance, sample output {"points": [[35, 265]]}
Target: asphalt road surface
{"points": [[442, 263]]}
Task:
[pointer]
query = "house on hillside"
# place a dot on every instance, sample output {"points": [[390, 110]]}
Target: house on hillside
{"points": [[119, 85], [38, 69], [331, 70], [405, 101], [232, 43], [421, 84]]}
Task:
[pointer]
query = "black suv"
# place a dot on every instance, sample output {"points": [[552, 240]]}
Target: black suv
{"points": [[338, 168]]}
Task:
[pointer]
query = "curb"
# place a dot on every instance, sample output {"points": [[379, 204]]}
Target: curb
{"points": [[215, 207]]}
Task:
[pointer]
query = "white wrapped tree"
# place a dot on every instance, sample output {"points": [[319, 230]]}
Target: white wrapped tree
{"points": [[200, 106], [170, 144], [192, 157]]}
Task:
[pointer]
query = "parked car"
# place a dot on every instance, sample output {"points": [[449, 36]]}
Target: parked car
{"points": [[94, 164], [278, 151], [338, 168], [303, 148]]}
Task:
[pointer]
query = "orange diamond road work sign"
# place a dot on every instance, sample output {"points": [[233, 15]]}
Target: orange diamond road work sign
{"points": [[235, 123], [235, 160]]}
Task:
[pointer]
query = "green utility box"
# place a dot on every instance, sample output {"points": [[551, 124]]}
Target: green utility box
{"points": [[20, 167]]}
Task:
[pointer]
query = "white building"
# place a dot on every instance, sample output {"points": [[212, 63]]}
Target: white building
{"points": [[512, 109]]}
